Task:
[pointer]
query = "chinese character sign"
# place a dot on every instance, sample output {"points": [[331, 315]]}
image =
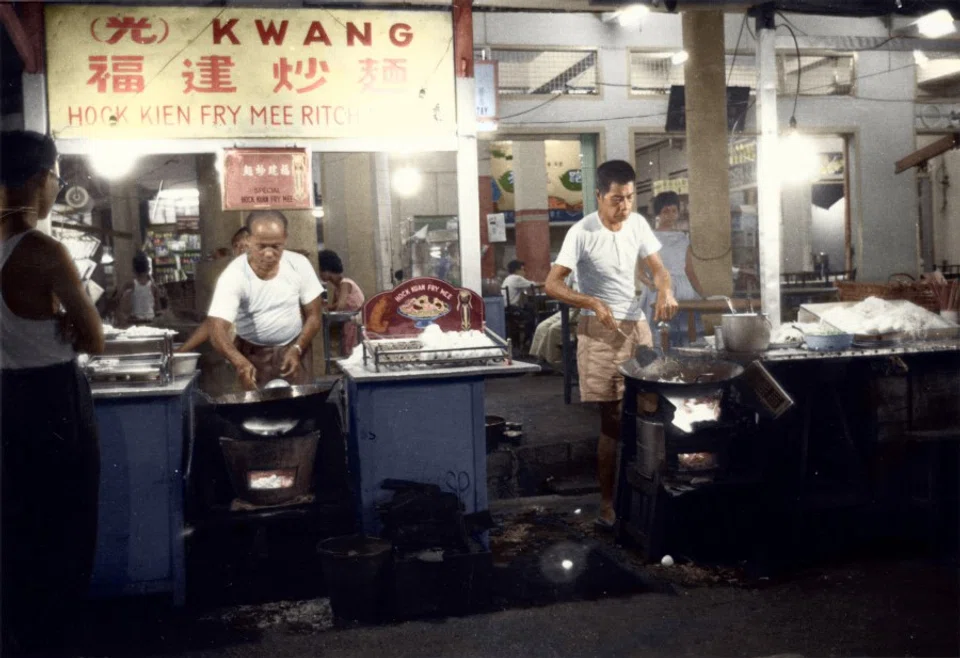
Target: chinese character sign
{"points": [[120, 72], [266, 178]]}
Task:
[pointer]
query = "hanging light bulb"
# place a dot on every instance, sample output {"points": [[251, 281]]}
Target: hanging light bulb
{"points": [[679, 57], [112, 160], [406, 181], [799, 161], [936, 24]]}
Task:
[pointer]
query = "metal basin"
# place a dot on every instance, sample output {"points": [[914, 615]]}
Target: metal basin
{"points": [[745, 332]]}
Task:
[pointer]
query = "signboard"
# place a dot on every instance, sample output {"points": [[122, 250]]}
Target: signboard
{"points": [[678, 185], [485, 78], [266, 178], [496, 227], [119, 72], [417, 303]]}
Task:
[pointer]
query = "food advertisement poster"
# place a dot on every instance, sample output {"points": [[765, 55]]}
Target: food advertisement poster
{"points": [[417, 303], [127, 72], [564, 190]]}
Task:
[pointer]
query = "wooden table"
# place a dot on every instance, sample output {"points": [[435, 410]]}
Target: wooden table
{"points": [[713, 306]]}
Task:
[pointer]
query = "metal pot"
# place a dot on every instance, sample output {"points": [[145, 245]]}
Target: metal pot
{"points": [[690, 377], [745, 332]]}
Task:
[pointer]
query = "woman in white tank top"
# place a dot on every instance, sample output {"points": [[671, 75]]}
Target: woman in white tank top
{"points": [[51, 453]]}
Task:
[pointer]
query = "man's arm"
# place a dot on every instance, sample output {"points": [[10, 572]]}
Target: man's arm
{"points": [[197, 338], [311, 324], [81, 320], [666, 306], [556, 286], [220, 338]]}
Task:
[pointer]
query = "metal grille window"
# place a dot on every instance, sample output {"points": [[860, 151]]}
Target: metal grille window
{"points": [[652, 73], [535, 72]]}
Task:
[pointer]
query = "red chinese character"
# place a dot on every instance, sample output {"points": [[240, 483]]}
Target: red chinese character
{"points": [[312, 66], [214, 75], [283, 68], [99, 66], [135, 26], [369, 78], [281, 71], [125, 71], [395, 71]]}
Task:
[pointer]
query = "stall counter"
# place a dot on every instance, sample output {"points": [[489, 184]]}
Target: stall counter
{"points": [[425, 425], [144, 432]]}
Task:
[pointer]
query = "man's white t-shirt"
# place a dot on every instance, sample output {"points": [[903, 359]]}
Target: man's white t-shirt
{"points": [[606, 261], [513, 287], [266, 312]]}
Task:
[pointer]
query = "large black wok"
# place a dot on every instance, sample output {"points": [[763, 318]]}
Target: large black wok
{"points": [[682, 376], [293, 402]]}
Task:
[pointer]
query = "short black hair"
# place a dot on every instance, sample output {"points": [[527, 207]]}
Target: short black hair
{"points": [[141, 264], [515, 266], [263, 215], [23, 154], [242, 232], [329, 261], [664, 199], [614, 171]]}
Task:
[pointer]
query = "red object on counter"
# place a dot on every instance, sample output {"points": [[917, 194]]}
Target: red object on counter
{"points": [[417, 303]]}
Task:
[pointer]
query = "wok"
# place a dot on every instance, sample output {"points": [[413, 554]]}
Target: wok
{"points": [[289, 402], [686, 376]]}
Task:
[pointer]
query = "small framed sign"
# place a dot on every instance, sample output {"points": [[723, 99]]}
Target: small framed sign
{"points": [[276, 178]]}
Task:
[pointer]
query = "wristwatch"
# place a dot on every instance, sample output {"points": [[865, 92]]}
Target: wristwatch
{"points": [[299, 349]]}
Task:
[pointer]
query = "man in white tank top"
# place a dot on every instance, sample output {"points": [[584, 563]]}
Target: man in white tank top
{"points": [[273, 297], [140, 299]]}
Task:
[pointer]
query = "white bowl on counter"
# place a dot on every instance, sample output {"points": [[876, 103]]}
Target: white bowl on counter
{"points": [[185, 364]]}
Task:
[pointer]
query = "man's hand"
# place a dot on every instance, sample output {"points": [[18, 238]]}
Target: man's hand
{"points": [[291, 362], [247, 374], [667, 306], [605, 315]]}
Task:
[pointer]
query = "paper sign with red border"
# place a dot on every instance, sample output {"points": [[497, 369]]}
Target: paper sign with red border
{"points": [[266, 178]]}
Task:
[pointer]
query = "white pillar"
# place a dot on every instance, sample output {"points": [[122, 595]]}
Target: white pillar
{"points": [[383, 227], [468, 192], [768, 178], [35, 117]]}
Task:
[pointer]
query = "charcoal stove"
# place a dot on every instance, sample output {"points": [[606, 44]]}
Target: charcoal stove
{"points": [[702, 435]]}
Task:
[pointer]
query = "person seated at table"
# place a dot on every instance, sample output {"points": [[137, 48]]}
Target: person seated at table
{"points": [[547, 343], [515, 289], [677, 256], [344, 295]]}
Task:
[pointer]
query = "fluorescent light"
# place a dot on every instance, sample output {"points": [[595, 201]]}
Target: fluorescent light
{"points": [[936, 24], [679, 58], [179, 193], [633, 15], [920, 58]]}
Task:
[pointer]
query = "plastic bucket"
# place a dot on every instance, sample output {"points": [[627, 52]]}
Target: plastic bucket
{"points": [[356, 569], [495, 426]]}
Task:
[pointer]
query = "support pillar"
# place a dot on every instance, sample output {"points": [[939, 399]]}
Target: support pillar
{"points": [[125, 217], [707, 159], [531, 209], [768, 181], [468, 198], [217, 227], [488, 259]]}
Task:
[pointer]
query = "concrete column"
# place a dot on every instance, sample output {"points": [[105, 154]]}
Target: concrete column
{"points": [[383, 229], [217, 227], [468, 195], [768, 179], [350, 209], [125, 217], [588, 168], [531, 207], [708, 160]]}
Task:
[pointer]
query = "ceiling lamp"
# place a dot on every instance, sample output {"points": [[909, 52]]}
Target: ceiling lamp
{"points": [[679, 58], [799, 160], [112, 161], [407, 181], [632, 15], [936, 24]]}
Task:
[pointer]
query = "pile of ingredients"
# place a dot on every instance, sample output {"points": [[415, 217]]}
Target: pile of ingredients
{"points": [[431, 346], [874, 316]]}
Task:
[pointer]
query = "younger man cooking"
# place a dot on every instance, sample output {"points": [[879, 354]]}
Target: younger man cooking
{"points": [[263, 293], [605, 249]]}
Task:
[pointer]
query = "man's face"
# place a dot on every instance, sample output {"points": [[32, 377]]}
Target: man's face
{"points": [[50, 191], [616, 205], [669, 214], [267, 241]]}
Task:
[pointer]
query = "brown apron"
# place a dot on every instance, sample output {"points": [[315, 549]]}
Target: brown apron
{"points": [[268, 359]]}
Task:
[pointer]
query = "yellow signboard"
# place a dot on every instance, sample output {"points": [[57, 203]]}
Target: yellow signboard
{"points": [[202, 72]]}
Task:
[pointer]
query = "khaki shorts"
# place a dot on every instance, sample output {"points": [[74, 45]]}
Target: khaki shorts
{"points": [[601, 350]]}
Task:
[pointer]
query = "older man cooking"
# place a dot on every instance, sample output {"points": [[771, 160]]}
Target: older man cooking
{"points": [[273, 297]]}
